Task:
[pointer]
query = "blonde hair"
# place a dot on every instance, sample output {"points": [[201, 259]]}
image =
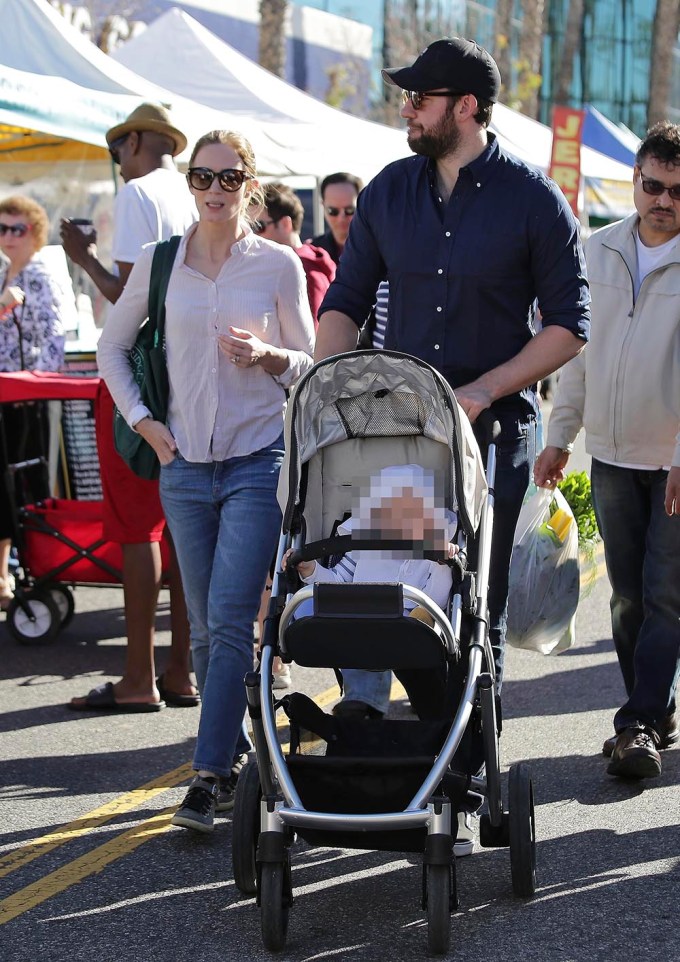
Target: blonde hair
{"points": [[33, 213], [253, 196]]}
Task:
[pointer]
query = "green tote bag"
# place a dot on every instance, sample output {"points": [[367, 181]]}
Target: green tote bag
{"points": [[149, 368]]}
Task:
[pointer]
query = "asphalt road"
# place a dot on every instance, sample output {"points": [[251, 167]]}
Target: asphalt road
{"points": [[91, 870]]}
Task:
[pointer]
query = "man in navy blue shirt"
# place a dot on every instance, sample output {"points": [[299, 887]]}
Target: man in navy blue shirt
{"points": [[470, 240]]}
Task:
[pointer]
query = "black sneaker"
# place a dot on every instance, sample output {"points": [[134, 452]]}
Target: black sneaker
{"points": [[227, 785], [197, 811]]}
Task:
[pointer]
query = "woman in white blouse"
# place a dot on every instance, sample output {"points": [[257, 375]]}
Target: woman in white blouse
{"points": [[238, 333], [33, 307]]}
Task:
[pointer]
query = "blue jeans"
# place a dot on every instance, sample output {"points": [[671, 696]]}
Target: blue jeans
{"points": [[642, 551], [515, 456], [225, 522]]}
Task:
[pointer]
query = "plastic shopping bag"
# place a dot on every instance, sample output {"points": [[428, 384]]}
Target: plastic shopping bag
{"points": [[544, 575]]}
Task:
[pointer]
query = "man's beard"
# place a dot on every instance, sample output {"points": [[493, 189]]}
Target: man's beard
{"points": [[440, 140]]}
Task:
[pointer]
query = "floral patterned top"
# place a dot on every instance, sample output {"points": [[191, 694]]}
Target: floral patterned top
{"points": [[39, 319]]}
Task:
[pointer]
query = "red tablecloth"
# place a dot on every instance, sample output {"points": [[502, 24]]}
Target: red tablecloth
{"points": [[41, 385]]}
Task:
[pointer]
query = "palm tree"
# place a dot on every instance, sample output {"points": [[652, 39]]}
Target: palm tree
{"points": [[530, 48], [502, 52], [570, 47], [272, 51], [664, 38]]}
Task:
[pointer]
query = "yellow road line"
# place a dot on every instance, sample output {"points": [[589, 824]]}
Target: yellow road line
{"points": [[20, 857], [82, 867], [99, 816]]}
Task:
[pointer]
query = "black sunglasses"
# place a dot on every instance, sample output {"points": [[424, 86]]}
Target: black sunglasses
{"points": [[417, 96], [16, 230], [335, 211], [261, 225], [115, 146], [229, 179], [656, 188]]}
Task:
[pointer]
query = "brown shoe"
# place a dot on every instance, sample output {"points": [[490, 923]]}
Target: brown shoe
{"points": [[669, 734], [635, 754]]}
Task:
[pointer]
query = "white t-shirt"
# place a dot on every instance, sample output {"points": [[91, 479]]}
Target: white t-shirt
{"points": [[148, 209], [649, 258]]}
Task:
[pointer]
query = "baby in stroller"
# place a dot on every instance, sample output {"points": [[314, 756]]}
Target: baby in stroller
{"points": [[399, 502]]}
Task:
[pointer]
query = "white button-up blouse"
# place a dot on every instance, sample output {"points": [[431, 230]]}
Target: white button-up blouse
{"points": [[217, 410]]}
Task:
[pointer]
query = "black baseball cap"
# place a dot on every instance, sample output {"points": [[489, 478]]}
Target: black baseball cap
{"points": [[459, 64]]}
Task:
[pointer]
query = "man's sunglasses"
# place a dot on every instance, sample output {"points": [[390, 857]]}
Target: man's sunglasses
{"points": [[656, 188], [261, 225], [336, 211], [229, 179], [16, 230], [115, 146], [417, 96]]}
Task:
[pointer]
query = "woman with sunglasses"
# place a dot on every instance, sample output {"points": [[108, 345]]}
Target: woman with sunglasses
{"points": [[33, 306], [239, 332]]}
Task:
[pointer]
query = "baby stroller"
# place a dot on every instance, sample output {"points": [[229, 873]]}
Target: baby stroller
{"points": [[391, 785]]}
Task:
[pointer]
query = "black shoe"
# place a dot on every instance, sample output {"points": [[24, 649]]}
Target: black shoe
{"points": [[197, 811], [635, 754], [356, 711], [668, 735], [227, 785]]}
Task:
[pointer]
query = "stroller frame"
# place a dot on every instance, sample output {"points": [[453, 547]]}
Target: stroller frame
{"points": [[281, 809]]}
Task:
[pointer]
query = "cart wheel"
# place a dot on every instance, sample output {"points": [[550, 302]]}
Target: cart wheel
{"points": [[273, 905], [43, 625], [438, 894], [63, 599], [246, 828], [522, 826]]}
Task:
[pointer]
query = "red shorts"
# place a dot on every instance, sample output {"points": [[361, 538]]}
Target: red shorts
{"points": [[132, 511]]}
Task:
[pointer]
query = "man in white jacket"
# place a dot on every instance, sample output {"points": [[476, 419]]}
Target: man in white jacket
{"points": [[624, 389]]}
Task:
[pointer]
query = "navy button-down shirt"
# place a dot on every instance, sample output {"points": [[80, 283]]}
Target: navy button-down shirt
{"points": [[465, 277]]}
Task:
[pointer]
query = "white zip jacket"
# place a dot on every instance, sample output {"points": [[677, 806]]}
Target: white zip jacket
{"points": [[624, 387]]}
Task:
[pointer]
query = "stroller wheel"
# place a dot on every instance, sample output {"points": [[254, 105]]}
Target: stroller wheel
{"points": [[274, 905], [438, 895], [246, 828], [63, 599], [37, 622], [522, 827]]}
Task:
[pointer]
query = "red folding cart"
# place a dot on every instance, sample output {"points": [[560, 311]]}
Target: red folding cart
{"points": [[59, 541]]}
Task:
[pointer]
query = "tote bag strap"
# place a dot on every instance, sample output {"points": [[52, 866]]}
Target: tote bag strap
{"points": [[161, 268]]}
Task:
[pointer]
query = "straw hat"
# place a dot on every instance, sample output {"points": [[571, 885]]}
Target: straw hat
{"points": [[149, 117]]}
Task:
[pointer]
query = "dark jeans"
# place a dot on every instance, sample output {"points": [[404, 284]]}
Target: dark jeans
{"points": [[642, 551]]}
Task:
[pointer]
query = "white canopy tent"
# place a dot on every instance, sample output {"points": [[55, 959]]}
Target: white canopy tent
{"points": [[178, 53], [308, 136], [59, 94]]}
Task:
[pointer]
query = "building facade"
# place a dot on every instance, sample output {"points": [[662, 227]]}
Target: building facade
{"points": [[611, 68]]}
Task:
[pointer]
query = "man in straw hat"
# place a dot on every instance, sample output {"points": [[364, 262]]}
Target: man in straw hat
{"points": [[153, 204]]}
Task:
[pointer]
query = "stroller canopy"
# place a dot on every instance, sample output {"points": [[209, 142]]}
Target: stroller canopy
{"points": [[366, 394]]}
